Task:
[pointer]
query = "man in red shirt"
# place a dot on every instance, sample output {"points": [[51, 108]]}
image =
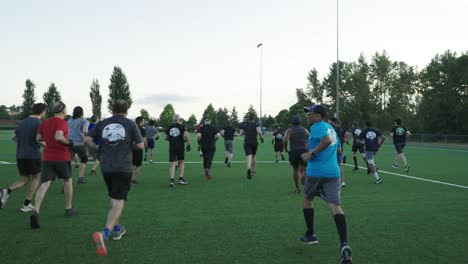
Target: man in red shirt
{"points": [[55, 161]]}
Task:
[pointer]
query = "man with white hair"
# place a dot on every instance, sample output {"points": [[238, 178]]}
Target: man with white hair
{"points": [[176, 134]]}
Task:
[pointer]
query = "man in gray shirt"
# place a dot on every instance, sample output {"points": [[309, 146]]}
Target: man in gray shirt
{"points": [[118, 136], [152, 134], [77, 130], [28, 157]]}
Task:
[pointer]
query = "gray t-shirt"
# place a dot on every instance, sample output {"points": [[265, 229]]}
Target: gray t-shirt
{"points": [[117, 135], [150, 131], [26, 132], [75, 131], [298, 138]]}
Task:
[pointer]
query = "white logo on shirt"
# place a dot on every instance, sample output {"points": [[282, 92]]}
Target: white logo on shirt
{"points": [[113, 133], [332, 134], [357, 132], [279, 136], [174, 132], [371, 135]]}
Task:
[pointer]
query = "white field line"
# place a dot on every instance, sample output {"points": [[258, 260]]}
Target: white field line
{"points": [[285, 162], [415, 178], [429, 148]]}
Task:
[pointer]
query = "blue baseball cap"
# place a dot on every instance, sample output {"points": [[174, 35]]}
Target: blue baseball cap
{"points": [[316, 109]]}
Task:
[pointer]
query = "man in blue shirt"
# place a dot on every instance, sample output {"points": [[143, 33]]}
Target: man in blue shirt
{"points": [[323, 177], [373, 139]]}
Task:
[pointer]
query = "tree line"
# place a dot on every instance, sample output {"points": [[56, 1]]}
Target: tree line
{"points": [[431, 100]]}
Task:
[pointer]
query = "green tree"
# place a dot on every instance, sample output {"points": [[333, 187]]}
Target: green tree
{"points": [[222, 116], [315, 89], [50, 97], [210, 113], [96, 98], [269, 122], [380, 73], [234, 118], [118, 88], [4, 113], [191, 123], [29, 98], [251, 112], [165, 118], [281, 118], [144, 113]]}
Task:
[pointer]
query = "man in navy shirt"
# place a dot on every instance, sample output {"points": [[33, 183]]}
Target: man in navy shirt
{"points": [[373, 139]]}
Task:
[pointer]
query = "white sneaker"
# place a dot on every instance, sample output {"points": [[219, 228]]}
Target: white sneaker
{"points": [[343, 184], [3, 197], [27, 208]]}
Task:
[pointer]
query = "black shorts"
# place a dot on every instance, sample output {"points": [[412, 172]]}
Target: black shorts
{"points": [[137, 157], [357, 146], [55, 169], [176, 154], [82, 152], [118, 184], [399, 147], [28, 166], [250, 149], [295, 158], [150, 143], [279, 147]]}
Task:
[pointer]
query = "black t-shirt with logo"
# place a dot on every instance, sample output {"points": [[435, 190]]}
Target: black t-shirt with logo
{"points": [[116, 135], [175, 133], [399, 134], [356, 132], [229, 132], [250, 130], [208, 133], [279, 137], [371, 139]]}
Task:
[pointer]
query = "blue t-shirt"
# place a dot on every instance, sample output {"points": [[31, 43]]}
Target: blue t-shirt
{"points": [[324, 164]]}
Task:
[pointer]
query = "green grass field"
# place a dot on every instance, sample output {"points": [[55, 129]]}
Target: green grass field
{"points": [[233, 220]]}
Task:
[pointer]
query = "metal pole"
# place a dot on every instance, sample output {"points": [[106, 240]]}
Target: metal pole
{"points": [[337, 114], [261, 76]]}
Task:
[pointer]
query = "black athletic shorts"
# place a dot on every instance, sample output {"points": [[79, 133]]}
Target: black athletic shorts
{"points": [[118, 184], [279, 147], [55, 169], [176, 154], [250, 148], [295, 158], [357, 146], [399, 147], [138, 157], [28, 166], [82, 152]]}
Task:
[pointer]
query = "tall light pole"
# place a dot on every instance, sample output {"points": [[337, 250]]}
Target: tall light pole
{"points": [[337, 114], [260, 46]]}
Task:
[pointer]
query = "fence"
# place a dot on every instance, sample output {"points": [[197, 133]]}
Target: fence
{"points": [[443, 139]]}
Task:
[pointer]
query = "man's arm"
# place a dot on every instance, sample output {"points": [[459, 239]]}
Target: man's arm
{"points": [[199, 136], [381, 140], [259, 132], [324, 143], [14, 138], [90, 143], [85, 128], [187, 137], [60, 137], [408, 133], [287, 136], [241, 132]]}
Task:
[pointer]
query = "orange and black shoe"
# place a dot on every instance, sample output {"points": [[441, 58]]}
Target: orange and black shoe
{"points": [[100, 240]]}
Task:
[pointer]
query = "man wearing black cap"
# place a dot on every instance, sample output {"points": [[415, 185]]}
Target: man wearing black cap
{"points": [[55, 161], [373, 139], [278, 143], [251, 129], [297, 137], [323, 178], [207, 136]]}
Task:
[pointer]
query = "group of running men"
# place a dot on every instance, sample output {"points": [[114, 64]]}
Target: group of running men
{"points": [[315, 157]]}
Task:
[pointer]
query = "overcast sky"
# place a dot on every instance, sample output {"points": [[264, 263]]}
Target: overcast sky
{"points": [[191, 53]]}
